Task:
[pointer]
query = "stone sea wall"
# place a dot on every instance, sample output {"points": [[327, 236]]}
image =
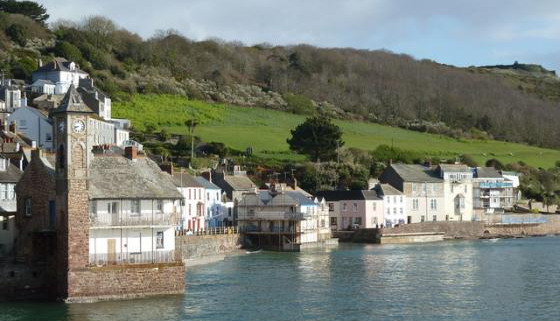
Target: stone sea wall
{"points": [[201, 248]]}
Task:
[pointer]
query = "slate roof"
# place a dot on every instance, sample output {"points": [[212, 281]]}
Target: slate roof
{"points": [[41, 82], [487, 172], [462, 168], [117, 177], [265, 198], [206, 184], [387, 189], [348, 195], [72, 102], [59, 64], [185, 180], [416, 173], [239, 183], [12, 174]]}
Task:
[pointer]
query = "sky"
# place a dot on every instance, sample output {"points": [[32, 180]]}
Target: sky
{"points": [[457, 32]]}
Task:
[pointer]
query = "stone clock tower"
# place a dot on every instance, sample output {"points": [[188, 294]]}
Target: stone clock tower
{"points": [[73, 143]]}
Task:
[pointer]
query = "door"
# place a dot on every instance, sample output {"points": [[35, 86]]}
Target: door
{"points": [[114, 211], [111, 251]]}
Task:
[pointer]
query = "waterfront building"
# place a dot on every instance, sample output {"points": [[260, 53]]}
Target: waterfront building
{"points": [[278, 219], [11, 98], [423, 189], [492, 192], [88, 208], [9, 176], [457, 191], [214, 208], [234, 184], [394, 205], [193, 202], [353, 209]]}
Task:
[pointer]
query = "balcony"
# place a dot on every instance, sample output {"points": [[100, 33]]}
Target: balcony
{"points": [[496, 185], [149, 257], [131, 219], [271, 215]]}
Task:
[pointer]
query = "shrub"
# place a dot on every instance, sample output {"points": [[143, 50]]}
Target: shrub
{"points": [[18, 33]]}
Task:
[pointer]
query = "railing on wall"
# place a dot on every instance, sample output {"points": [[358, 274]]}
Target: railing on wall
{"points": [[209, 231], [131, 219], [147, 257]]}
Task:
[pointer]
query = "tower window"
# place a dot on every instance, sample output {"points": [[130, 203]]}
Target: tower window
{"points": [[60, 157]]}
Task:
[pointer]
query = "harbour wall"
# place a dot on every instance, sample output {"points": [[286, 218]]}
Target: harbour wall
{"points": [[202, 249]]}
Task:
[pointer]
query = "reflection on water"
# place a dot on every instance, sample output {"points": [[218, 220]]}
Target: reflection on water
{"points": [[463, 280]]}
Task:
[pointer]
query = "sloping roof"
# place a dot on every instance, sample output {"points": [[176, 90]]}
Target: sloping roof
{"points": [[42, 82], [117, 177], [239, 183], [73, 103], [12, 174], [462, 168], [59, 64], [185, 180], [388, 189], [301, 198], [487, 172], [205, 183], [416, 173], [348, 195]]}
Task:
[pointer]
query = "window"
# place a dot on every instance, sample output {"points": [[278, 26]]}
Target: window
{"points": [[422, 219], [190, 210], [331, 207], [2, 164], [344, 207], [388, 211], [28, 207], [112, 207], [5, 225], [159, 240], [207, 196], [394, 210], [135, 207], [465, 188], [358, 220], [447, 217], [415, 204], [229, 211], [3, 191], [424, 187], [333, 220], [11, 191], [374, 206], [322, 223], [400, 199], [401, 210], [48, 137], [414, 187], [388, 199], [434, 218], [433, 204], [355, 207], [189, 193], [433, 188], [159, 206]]}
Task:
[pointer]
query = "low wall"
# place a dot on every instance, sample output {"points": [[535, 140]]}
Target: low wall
{"points": [[125, 282], [202, 247], [456, 230], [524, 224], [411, 238]]}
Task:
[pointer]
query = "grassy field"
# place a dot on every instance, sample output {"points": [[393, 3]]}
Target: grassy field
{"points": [[266, 131]]}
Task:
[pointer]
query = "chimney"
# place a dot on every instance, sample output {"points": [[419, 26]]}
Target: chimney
{"points": [[167, 168], [36, 153], [39, 63], [131, 152], [13, 127], [207, 175], [24, 100]]}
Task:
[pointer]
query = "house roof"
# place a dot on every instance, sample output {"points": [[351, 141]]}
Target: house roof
{"points": [[72, 103], [185, 180], [416, 173], [387, 189], [239, 183], [59, 64], [12, 174], [487, 172], [206, 184], [462, 168], [117, 177], [348, 195], [42, 82], [266, 198]]}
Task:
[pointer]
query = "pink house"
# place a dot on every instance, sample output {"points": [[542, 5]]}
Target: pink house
{"points": [[353, 209]]}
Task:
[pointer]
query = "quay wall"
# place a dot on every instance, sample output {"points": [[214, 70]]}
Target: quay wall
{"points": [[202, 248], [23, 282], [125, 282]]}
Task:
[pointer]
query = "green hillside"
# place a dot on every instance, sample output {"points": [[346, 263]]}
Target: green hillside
{"points": [[266, 131]]}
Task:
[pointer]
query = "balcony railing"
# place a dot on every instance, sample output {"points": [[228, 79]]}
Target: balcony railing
{"points": [[149, 257], [132, 219], [496, 185], [272, 215]]}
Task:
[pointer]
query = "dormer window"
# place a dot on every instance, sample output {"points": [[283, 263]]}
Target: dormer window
{"points": [[3, 164]]}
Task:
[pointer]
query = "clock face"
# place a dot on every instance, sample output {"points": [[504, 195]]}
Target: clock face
{"points": [[61, 127], [78, 126]]}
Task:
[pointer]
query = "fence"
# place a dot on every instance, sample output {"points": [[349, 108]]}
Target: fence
{"points": [[210, 231], [132, 219], [148, 257]]}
